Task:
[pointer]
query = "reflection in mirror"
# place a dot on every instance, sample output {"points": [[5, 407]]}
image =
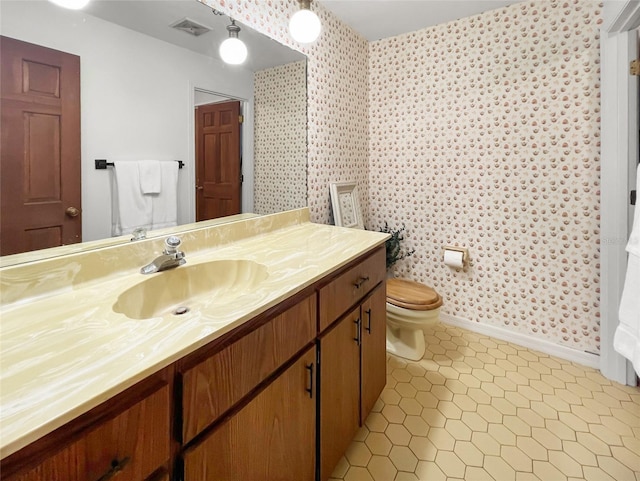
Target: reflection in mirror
{"points": [[140, 80]]}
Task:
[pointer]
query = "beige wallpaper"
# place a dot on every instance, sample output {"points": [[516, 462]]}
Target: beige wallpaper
{"points": [[485, 133], [337, 74], [280, 138]]}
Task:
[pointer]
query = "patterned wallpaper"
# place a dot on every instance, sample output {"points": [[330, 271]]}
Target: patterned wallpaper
{"points": [[280, 140], [485, 133], [337, 89]]}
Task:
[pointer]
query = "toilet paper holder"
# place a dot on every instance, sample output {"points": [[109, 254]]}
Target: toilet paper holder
{"points": [[465, 256]]}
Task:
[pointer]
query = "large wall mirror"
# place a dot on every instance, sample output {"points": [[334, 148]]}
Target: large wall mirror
{"points": [[140, 81]]}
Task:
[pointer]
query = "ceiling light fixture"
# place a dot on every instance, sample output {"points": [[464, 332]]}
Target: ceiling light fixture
{"points": [[72, 4], [233, 50], [304, 25]]}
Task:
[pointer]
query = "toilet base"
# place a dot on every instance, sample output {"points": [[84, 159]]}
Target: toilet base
{"points": [[406, 343]]}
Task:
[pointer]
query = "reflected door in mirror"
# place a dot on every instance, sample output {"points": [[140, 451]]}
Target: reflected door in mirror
{"points": [[40, 160], [218, 160]]}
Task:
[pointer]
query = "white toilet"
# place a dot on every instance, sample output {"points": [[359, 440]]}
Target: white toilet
{"points": [[411, 307]]}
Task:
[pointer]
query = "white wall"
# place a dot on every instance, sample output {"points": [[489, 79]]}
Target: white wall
{"points": [[619, 90], [136, 97]]}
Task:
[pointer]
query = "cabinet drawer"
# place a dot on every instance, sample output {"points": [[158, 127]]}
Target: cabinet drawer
{"points": [[270, 439], [131, 446], [216, 384], [350, 287]]}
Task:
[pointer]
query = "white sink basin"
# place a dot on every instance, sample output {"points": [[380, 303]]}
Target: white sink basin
{"points": [[176, 291]]}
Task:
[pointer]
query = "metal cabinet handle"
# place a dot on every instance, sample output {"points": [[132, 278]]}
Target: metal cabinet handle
{"points": [[310, 388], [72, 211], [357, 338], [116, 467], [360, 281], [368, 328]]}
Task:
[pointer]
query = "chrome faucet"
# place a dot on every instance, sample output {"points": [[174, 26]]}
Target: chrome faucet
{"points": [[171, 257]]}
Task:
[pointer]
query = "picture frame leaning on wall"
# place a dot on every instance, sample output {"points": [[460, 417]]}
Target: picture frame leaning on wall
{"points": [[345, 205]]}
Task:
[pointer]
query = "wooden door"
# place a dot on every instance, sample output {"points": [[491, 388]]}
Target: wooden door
{"points": [[374, 349], [218, 183], [40, 147], [339, 390], [271, 438]]}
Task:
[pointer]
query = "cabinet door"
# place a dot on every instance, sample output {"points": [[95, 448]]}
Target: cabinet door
{"points": [[271, 438], [213, 386], [374, 349], [339, 390], [128, 447]]}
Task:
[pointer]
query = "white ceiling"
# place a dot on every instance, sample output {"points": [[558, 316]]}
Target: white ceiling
{"points": [[376, 19], [154, 17]]}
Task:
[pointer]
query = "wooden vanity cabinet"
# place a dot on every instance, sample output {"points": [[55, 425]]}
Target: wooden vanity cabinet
{"points": [[350, 287], [339, 390], [279, 398], [373, 349], [249, 407], [132, 445], [271, 438], [214, 384], [352, 357]]}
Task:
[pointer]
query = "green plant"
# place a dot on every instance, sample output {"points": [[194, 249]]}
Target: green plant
{"points": [[395, 252]]}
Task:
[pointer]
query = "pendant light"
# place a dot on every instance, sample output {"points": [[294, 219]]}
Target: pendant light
{"points": [[233, 50], [304, 25], [71, 4]]}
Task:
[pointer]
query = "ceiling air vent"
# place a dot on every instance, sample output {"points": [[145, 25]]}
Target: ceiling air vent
{"points": [[191, 27]]}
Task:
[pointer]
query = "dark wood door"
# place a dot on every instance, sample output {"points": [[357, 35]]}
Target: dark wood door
{"points": [[339, 391], [271, 438], [218, 160], [374, 350], [40, 147]]}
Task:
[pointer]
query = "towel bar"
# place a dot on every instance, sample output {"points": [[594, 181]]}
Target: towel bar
{"points": [[102, 164]]}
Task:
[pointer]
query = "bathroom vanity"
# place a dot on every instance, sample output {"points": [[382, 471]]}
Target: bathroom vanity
{"points": [[271, 385]]}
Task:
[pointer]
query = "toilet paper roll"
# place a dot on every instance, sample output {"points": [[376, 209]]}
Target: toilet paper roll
{"points": [[454, 259]]}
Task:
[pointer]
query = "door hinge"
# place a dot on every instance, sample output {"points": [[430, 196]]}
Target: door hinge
{"points": [[632, 197], [240, 118], [241, 178], [634, 68]]}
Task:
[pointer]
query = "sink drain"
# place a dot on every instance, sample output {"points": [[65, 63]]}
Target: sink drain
{"points": [[180, 310]]}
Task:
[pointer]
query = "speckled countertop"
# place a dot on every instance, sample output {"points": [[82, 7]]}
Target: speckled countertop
{"points": [[63, 349]]}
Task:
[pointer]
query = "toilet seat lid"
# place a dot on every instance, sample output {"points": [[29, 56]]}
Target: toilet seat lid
{"points": [[412, 295]]}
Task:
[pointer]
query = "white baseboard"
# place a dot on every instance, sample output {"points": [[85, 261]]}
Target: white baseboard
{"points": [[563, 352]]}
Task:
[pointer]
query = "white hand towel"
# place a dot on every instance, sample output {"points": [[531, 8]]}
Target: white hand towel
{"points": [[627, 337], [150, 176], [165, 204], [133, 208]]}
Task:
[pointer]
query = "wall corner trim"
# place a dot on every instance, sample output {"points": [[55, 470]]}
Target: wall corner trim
{"points": [[621, 16]]}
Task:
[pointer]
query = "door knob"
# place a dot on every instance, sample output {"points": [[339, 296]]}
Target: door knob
{"points": [[199, 187], [72, 212]]}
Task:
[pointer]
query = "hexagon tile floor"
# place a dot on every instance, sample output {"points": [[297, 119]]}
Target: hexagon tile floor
{"points": [[476, 408]]}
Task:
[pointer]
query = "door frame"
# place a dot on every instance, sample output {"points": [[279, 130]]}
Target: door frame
{"points": [[619, 141], [246, 146]]}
